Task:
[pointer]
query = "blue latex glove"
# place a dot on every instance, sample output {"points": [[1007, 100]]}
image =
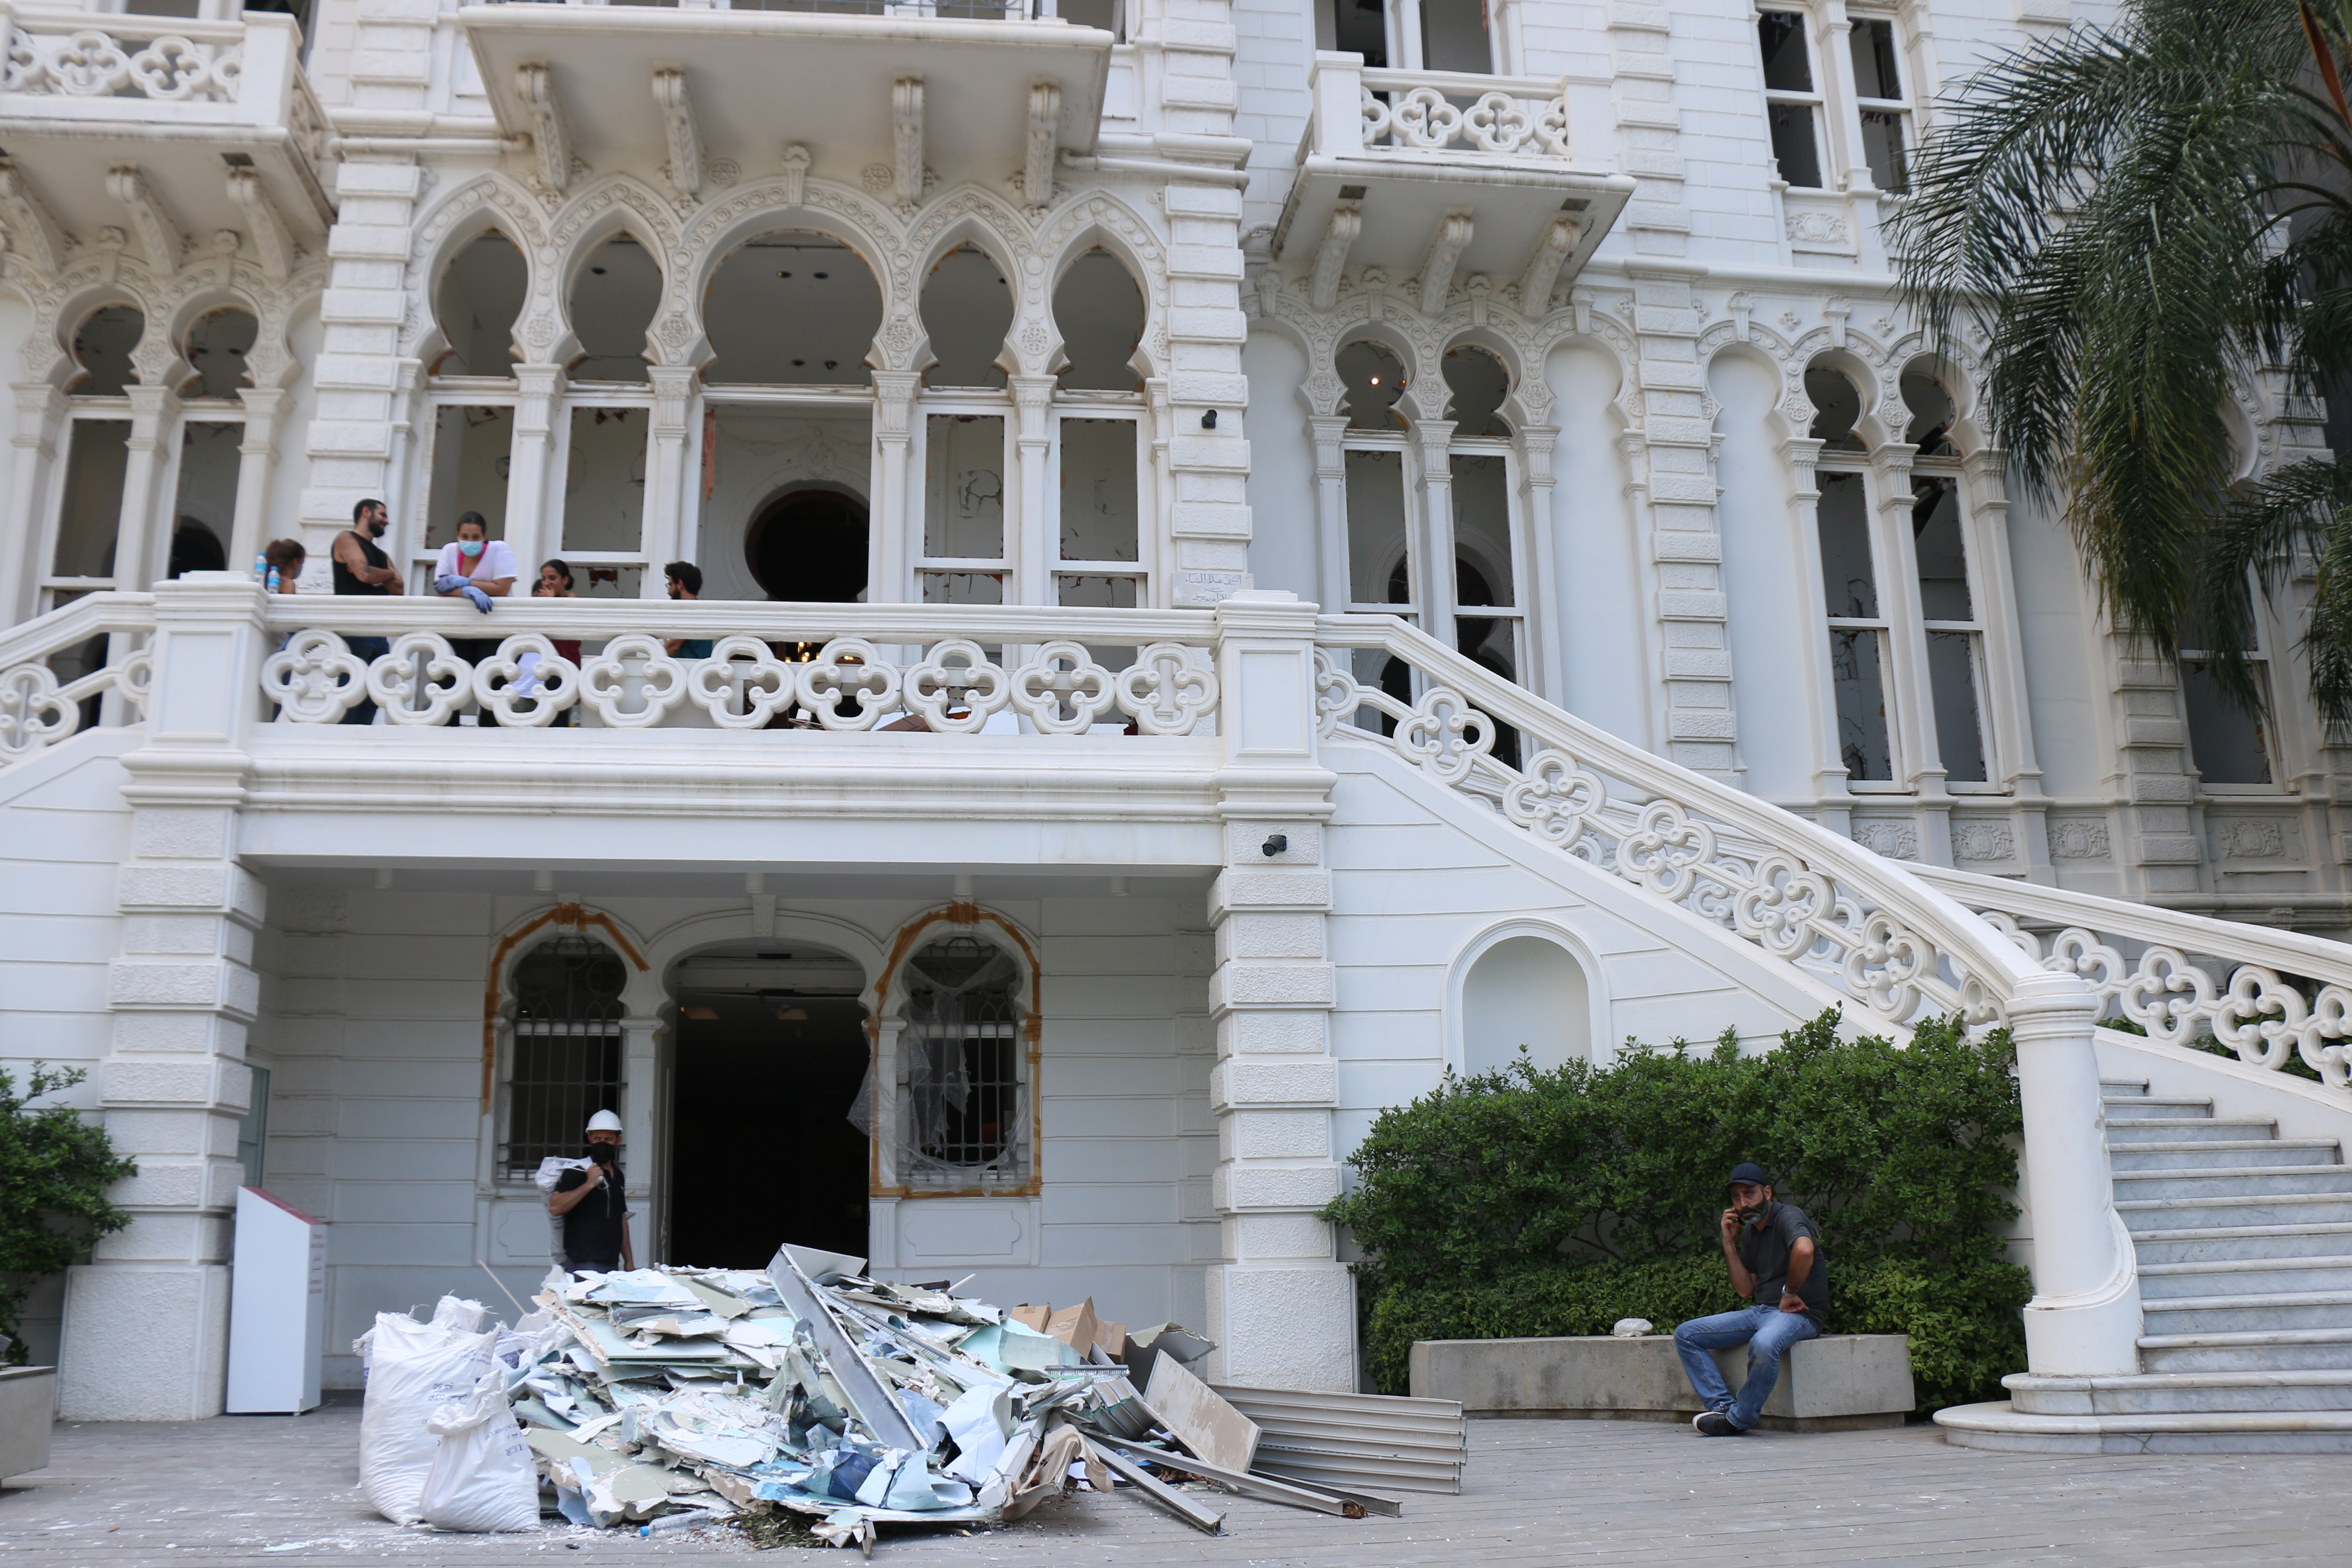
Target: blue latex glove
{"points": [[449, 580]]}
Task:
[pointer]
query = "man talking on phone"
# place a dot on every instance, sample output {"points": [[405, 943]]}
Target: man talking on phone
{"points": [[1775, 1258], [591, 1204]]}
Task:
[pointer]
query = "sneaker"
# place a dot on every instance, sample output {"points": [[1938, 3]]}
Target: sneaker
{"points": [[1715, 1424], [1701, 1416]]}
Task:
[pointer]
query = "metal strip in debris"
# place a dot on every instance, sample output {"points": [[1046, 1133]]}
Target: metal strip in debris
{"points": [[1266, 1488], [876, 1406], [1159, 1491]]}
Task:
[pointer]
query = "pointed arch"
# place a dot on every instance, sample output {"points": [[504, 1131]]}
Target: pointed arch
{"points": [[490, 201], [616, 203]]}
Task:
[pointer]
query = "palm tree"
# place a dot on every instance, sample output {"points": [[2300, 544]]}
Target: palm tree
{"points": [[2137, 216]]}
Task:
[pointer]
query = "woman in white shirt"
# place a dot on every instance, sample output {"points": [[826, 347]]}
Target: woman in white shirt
{"points": [[481, 569]]}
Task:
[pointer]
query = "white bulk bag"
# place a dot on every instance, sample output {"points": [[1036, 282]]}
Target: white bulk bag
{"points": [[484, 1475], [413, 1369]]}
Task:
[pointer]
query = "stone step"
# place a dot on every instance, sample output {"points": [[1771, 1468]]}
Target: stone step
{"points": [[2181, 1393], [2130, 1108], [2229, 1244], [2153, 1214], [2249, 1314], [2220, 1181], [2140, 1130], [2231, 1154], [2286, 1349], [2245, 1277], [2113, 1087], [2001, 1425]]}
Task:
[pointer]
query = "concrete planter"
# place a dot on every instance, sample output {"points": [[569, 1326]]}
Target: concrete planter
{"points": [[28, 1402], [1836, 1382]]}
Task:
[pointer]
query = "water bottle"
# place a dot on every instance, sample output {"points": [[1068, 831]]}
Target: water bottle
{"points": [[273, 579], [260, 567]]}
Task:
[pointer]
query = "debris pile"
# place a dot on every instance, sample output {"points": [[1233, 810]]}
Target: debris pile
{"points": [[663, 1397]]}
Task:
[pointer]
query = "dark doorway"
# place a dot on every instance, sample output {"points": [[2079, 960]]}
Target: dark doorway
{"points": [[762, 1151], [810, 546]]}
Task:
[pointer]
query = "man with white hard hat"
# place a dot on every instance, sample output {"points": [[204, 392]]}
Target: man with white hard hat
{"points": [[593, 1204]]}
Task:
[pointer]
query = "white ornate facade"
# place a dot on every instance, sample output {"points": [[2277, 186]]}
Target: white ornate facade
{"points": [[1023, 384]]}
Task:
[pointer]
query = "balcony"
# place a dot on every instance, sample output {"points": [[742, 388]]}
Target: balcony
{"points": [[1441, 174], [898, 97], [211, 115]]}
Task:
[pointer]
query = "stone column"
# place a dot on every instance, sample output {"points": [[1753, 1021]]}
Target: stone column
{"points": [[1331, 510], [1281, 1305], [534, 486], [1803, 454], [2084, 1318], [1036, 539], [40, 414], [1539, 586], [256, 463], [146, 1329], [898, 516], [1432, 440], [670, 491], [140, 540]]}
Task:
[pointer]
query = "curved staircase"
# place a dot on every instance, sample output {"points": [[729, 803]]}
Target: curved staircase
{"points": [[2244, 1245]]}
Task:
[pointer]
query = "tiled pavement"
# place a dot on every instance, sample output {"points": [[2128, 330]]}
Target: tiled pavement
{"points": [[270, 1490]]}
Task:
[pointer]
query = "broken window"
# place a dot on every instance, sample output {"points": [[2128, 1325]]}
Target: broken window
{"points": [[960, 1067], [1955, 637], [1837, 408], [604, 482], [1857, 629], [1378, 571], [217, 345], [613, 302], [1885, 109], [2227, 745], [480, 295], [1478, 383], [96, 453], [1375, 379], [1791, 101], [1099, 313], [1360, 27], [204, 508], [1099, 513], [1933, 415], [1453, 36], [967, 308], [566, 1061], [473, 448], [963, 509], [794, 307]]}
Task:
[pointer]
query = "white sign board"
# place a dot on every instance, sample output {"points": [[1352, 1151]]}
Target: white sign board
{"points": [[276, 1309]]}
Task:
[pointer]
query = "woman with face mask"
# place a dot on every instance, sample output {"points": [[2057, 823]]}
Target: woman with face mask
{"points": [[479, 568]]}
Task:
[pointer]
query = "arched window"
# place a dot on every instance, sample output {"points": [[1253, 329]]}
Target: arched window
{"points": [[204, 494], [960, 1065], [967, 309], [97, 456], [476, 302], [480, 295], [566, 1060], [217, 345], [1099, 311]]}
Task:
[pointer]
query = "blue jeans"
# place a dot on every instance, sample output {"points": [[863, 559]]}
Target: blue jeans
{"points": [[368, 650], [1767, 1332]]}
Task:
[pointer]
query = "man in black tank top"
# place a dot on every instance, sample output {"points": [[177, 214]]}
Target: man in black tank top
{"points": [[362, 568]]}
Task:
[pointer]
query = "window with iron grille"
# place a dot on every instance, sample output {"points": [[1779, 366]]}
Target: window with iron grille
{"points": [[567, 1049], [962, 1063]]}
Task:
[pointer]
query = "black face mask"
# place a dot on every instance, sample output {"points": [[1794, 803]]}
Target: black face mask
{"points": [[604, 1154]]}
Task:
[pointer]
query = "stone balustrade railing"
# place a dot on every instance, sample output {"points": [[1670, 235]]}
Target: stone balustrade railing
{"points": [[639, 665], [80, 55], [58, 672], [1374, 112], [2273, 998]]}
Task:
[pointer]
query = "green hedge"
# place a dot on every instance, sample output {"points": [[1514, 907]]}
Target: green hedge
{"points": [[1537, 1202]]}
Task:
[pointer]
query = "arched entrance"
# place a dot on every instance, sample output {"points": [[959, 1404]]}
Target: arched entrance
{"points": [[768, 1053], [809, 545]]}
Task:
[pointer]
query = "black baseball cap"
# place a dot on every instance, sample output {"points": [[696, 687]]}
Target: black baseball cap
{"points": [[1749, 1172]]}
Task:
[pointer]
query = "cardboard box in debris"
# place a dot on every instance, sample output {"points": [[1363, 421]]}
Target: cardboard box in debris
{"points": [[686, 1396]]}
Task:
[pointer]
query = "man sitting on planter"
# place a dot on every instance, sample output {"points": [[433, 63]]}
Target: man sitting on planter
{"points": [[1774, 1255]]}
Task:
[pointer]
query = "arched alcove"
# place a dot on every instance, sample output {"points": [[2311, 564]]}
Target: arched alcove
{"points": [[791, 307], [1932, 413], [967, 308], [101, 345], [1099, 311], [481, 294], [218, 343], [808, 545], [614, 298], [1375, 379], [1525, 990], [1478, 383]]}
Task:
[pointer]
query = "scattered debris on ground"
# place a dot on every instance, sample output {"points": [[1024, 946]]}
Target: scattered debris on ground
{"points": [[810, 1404]]}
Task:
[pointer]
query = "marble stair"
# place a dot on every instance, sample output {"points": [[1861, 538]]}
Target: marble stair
{"points": [[2245, 1246]]}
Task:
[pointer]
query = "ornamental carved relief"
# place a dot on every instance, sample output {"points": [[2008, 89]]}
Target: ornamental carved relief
{"points": [[2079, 838], [1983, 841], [1895, 840]]}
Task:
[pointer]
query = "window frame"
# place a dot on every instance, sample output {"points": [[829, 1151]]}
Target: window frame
{"points": [[1905, 108], [980, 403], [444, 392], [1898, 779], [1977, 630], [1127, 407], [1815, 102], [577, 396], [2267, 726]]}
